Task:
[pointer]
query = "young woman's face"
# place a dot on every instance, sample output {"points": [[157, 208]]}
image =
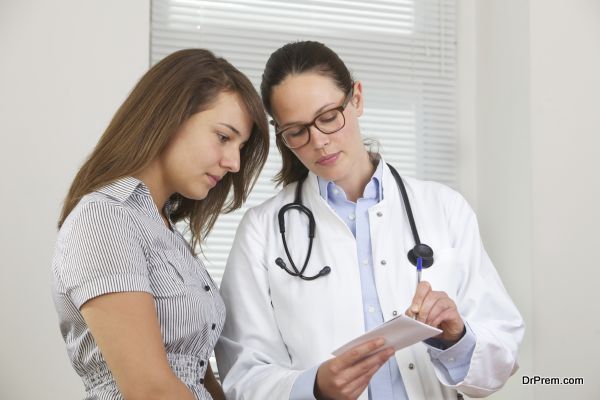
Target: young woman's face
{"points": [[206, 147], [298, 99]]}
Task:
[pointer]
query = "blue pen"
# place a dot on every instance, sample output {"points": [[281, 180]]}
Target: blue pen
{"points": [[419, 269]]}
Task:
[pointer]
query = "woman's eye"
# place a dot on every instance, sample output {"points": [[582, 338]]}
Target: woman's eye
{"points": [[328, 117], [295, 132], [222, 138]]}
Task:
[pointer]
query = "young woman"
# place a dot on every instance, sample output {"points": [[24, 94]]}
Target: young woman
{"points": [[138, 311], [296, 292]]}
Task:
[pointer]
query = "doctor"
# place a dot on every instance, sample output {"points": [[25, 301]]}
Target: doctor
{"points": [[292, 299]]}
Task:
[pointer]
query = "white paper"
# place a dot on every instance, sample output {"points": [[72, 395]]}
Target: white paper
{"points": [[398, 333]]}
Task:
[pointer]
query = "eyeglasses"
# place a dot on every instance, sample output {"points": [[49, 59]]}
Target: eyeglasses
{"points": [[328, 122]]}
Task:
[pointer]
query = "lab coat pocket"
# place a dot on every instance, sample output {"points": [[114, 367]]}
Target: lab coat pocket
{"points": [[446, 273]]}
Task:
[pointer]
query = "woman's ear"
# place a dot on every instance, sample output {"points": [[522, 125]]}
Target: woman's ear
{"points": [[357, 98]]}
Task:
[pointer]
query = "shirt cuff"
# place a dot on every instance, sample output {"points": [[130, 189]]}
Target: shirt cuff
{"points": [[304, 385], [455, 360], [109, 284]]}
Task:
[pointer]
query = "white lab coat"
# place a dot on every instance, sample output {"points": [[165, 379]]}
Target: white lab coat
{"points": [[278, 325]]}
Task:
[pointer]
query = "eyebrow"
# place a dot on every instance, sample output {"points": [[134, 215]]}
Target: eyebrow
{"points": [[301, 122], [234, 131], [230, 127]]}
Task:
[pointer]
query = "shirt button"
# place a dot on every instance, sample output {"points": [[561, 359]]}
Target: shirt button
{"points": [[351, 217], [207, 288], [383, 262], [379, 213], [411, 366], [213, 326], [394, 313], [371, 309]]}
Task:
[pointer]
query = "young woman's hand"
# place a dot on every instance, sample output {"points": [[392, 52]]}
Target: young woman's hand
{"points": [[438, 310], [346, 376]]}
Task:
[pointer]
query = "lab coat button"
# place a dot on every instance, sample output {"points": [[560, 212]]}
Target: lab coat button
{"points": [[411, 366], [379, 213], [383, 262], [394, 313]]}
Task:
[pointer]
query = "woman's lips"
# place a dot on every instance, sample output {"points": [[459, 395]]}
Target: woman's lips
{"points": [[329, 159], [213, 179]]}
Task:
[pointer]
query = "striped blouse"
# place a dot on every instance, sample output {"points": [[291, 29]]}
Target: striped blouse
{"points": [[115, 240]]}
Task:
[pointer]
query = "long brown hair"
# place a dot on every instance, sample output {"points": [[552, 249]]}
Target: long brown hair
{"points": [[293, 59], [182, 84]]}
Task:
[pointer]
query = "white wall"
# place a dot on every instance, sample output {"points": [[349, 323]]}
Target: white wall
{"points": [[65, 67], [529, 109], [565, 134]]}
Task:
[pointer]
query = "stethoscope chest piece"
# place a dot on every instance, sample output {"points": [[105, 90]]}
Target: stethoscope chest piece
{"points": [[422, 251]]}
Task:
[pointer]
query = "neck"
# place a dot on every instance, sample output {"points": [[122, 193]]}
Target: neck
{"points": [[358, 178], [154, 181]]}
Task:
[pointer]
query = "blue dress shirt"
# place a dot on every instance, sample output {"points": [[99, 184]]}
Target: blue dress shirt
{"points": [[386, 383]]}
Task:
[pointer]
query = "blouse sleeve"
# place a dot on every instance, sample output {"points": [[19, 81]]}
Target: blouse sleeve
{"points": [[102, 253]]}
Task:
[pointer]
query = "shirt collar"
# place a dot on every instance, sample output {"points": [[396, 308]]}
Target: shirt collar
{"points": [[124, 187], [373, 190]]}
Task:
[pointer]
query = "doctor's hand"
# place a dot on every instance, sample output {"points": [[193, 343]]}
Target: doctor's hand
{"points": [[438, 310], [346, 376]]}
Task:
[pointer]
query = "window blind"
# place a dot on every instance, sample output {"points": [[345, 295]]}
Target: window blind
{"points": [[403, 51]]}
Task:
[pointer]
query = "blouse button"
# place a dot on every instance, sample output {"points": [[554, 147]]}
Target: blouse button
{"points": [[207, 288], [213, 326], [202, 381], [202, 363]]}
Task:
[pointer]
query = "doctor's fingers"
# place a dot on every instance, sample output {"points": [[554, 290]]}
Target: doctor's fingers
{"points": [[338, 380], [357, 353], [421, 293], [452, 325], [429, 302], [357, 386], [438, 311]]}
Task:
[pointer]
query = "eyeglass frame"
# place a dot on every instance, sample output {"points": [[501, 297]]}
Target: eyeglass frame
{"points": [[307, 126]]}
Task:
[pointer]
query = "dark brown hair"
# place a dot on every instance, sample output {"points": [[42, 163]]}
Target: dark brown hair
{"points": [[293, 59], [181, 85]]}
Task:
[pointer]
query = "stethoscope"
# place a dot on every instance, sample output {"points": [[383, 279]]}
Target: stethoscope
{"points": [[421, 256]]}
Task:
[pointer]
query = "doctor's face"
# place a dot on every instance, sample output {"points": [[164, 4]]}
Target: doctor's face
{"points": [[299, 99], [206, 147]]}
